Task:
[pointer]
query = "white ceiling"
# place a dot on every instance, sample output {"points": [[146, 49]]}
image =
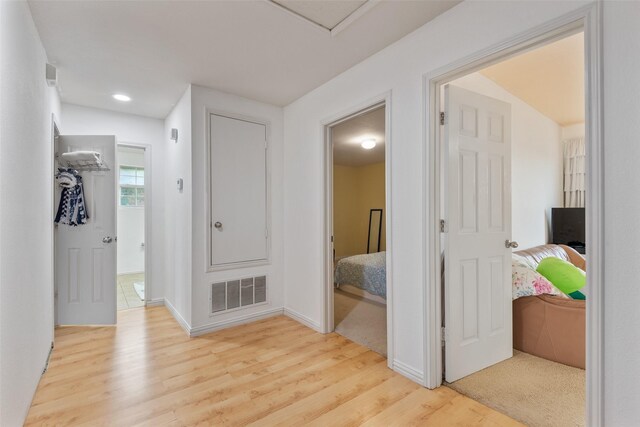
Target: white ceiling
{"points": [[348, 135], [549, 78], [326, 13], [151, 50]]}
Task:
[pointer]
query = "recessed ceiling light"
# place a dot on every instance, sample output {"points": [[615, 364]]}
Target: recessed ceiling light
{"points": [[368, 144], [121, 97]]}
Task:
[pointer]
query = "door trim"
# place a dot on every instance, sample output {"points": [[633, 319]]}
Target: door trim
{"points": [[589, 20], [384, 99], [207, 185], [148, 200], [55, 133]]}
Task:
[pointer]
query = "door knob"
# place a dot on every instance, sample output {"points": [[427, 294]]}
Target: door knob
{"points": [[510, 244], [107, 239], [218, 225]]}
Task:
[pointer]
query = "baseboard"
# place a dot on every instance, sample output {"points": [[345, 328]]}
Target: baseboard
{"points": [[155, 302], [409, 372], [300, 318], [223, 324], [130, 272], [185, 325]]}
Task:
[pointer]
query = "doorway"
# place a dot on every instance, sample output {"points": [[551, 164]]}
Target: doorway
{"points": [[131, 279], [357, 214], [505, 155]]}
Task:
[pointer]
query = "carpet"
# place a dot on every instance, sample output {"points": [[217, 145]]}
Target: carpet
{"points": [[139, 288], [360, 320], [535, 391]]}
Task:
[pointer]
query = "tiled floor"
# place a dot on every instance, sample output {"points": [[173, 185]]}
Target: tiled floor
{"points": [[127, 296]]}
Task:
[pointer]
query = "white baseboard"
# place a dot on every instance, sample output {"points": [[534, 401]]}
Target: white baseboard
{"points": [[302, 319], [185, 325], [155, 302], [129, 272], [223, 324], [409, 372]]}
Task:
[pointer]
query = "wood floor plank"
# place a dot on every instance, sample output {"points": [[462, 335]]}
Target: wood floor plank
{"points": [[148, 372]]}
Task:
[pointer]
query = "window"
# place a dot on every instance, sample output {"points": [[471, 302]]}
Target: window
{"points": [[131, 186]]}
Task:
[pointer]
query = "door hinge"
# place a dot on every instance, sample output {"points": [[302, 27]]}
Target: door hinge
{"points": [[443, 226], [442, 117], [266, 233], [443, 336]]}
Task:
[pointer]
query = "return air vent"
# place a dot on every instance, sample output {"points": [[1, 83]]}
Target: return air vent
{"points": [[235, 294]]}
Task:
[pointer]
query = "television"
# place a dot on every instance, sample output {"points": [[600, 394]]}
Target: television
{"points": [[568, 228]]}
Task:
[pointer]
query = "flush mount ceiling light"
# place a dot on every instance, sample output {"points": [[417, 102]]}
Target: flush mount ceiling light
{"points": [[368, 144], [121, 97]]}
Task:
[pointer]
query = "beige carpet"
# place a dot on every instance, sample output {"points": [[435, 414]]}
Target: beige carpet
{"points": [[361, 320], [532, 390]]}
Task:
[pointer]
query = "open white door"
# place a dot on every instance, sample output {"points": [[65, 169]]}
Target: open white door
{"points": [[85, 258], [478, 319]]}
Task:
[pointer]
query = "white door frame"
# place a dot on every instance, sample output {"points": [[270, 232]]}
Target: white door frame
{"points": [[148, 197], [588, 19], [327, 124], [55, 132]]}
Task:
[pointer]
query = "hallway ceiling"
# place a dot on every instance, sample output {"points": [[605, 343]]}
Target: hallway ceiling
{"points": [[151, 50]]}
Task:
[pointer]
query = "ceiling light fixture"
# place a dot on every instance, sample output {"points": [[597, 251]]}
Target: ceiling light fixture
{"points": [[121, 97], [368, 144]]}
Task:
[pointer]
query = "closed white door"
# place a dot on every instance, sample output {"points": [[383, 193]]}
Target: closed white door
{"points": [[478, 319], [85, 257], [238, 191]]}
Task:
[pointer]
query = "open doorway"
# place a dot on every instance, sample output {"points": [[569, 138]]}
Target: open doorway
{"points": [[131, 283], [513, 199], [358, 199]]}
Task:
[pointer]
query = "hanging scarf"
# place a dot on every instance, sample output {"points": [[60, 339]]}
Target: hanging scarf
{"points": [[72, 210]]}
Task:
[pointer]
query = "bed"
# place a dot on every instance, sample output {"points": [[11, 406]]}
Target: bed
{"points": [[366, 272]]}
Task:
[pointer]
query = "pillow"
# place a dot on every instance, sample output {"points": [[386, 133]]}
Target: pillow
{"points": [[527, 282], [564, 275], [524, 260], [577, 295]]}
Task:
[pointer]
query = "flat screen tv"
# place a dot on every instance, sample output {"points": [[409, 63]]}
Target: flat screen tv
{"points": [[568, 227]]}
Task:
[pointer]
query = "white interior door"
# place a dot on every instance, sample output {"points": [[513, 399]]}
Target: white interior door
{"points": [[238, 191], [85, 257], [478, 319]]}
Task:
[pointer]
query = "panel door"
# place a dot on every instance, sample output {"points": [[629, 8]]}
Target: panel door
{"points": [[85, 258], [478, 319], [238, 191]]}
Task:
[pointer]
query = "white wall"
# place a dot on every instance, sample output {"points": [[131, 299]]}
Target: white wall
{"points": [[573, 131], [177, 209], [536, 163], [202, 98], [26, 209], [463, 30], [622, 209], [130, 128], [131, 221]]}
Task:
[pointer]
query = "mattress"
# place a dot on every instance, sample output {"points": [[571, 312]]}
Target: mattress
{"points": [[366, 271]]}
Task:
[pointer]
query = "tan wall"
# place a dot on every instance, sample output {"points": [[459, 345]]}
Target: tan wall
{"points": [[356, 190]]}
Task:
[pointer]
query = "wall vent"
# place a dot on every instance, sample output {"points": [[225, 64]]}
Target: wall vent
{"points": [[236, 294]]}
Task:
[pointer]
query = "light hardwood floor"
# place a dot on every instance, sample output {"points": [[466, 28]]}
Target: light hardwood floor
{"points": [[146, 371]]}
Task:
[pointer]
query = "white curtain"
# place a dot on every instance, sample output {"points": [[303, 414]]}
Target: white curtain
{"points": [[574, 173]]}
